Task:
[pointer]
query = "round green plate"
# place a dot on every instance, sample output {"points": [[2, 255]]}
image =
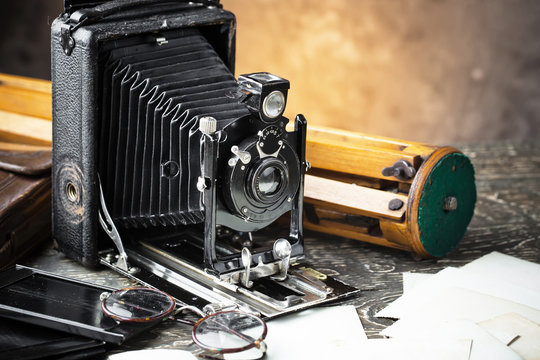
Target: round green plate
{"points": [[442, 229]]}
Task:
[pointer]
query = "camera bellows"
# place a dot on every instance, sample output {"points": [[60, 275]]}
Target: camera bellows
{"points": [[153, 94]]}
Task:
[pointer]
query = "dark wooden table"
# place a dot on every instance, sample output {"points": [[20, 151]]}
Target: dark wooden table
{"points": [[507, 219]]}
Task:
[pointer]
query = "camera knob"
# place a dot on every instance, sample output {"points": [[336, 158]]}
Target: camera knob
{"points": [[282, 250], [207, 125]]}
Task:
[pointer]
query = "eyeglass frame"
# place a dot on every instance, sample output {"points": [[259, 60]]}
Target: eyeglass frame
{"points": [[171, 313]]}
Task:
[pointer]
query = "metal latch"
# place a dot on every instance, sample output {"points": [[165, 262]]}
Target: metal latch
{"points": [[66, 40], [402, 170]]}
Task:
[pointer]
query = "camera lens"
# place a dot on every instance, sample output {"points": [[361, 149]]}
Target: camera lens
{"points": [[269, 179]]}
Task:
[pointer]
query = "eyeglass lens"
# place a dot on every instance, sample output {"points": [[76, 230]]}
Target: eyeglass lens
{"points": [[138, 304], [229, 331]]}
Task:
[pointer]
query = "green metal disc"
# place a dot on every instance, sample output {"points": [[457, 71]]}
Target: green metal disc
{"points": [[442, 228]]}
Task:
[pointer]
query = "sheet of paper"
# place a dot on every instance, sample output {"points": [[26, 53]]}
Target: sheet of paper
{"points": [[320, 333], [412, 280], [456, 303], [484, 346], [499, 328], [417, 294], [527, 343], [417, 349], [507, 268], [495, 274], [161, 354]]}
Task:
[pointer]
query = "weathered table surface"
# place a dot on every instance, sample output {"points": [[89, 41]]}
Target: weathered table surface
{"points": [[507, 219]]}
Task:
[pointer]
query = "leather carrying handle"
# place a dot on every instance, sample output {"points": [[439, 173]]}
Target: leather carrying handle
{"points": [[26, 162], [96, 13]]}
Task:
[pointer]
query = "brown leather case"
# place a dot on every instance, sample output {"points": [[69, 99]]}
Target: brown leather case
{"points": [[25, 203]]}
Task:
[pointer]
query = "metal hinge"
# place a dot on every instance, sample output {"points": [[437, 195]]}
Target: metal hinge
{"points": [[66, 30], [66, 40]]}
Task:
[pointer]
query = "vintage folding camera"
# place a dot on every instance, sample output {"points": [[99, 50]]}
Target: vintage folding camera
{"points": [[168, 169]]}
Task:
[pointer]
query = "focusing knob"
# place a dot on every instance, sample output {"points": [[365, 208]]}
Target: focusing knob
{"points": [[270, 140], [207, 125]]}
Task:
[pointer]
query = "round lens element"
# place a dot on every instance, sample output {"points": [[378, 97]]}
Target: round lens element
{"points": [[269, 181], [138, 305], [229, 331], [273, 104]]}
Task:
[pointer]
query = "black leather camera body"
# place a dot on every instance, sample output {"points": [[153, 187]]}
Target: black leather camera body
{"points": [[159, 150]]}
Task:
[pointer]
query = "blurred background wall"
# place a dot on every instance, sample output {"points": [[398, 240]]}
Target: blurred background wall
{"points": [[437, 71]]}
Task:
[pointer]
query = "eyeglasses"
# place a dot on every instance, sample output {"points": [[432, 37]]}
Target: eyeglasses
{"points": [[219, 333]]}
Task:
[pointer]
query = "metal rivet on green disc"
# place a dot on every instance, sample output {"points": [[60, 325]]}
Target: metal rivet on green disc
{"points": [[450, 203]]}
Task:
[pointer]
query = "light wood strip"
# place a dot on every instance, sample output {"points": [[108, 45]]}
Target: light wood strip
{"points": [[25, 96], [364, 161], [23, 82], [353, 199], [24, 129], [320, 133], [8, 146]]}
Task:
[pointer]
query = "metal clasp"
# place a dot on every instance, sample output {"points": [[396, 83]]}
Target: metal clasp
{"points": [[66, 40], [108, 225]]}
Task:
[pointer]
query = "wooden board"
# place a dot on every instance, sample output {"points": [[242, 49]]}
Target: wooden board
{"points": [[361, 154], [25, 112], [352, 199], [24, 129], [25, 96], [8, 146]]}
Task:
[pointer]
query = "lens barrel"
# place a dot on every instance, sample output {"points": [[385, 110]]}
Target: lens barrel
{"points": [[258, 192]]}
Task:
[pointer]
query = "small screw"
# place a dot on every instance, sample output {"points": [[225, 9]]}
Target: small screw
{"points": [[261, 144], [104, 295], [201, 184], [450, 203], [244, 210], [395, 204], [289, 199]]}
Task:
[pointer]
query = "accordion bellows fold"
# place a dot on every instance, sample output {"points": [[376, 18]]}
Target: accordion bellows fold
{"points": [[152, 97]]}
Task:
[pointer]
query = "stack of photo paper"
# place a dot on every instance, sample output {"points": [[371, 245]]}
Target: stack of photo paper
{"points": [[492, 304]]}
